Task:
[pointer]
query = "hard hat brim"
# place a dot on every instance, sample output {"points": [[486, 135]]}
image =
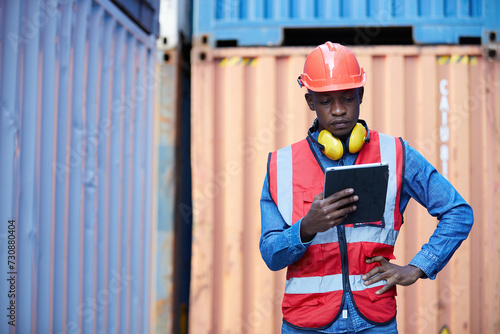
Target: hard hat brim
{"points": [[325, 86]]}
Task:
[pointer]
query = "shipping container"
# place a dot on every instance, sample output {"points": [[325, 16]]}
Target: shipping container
{"points": [[76, 145], [176, 18], [167, 100], [143, 12], [285, 22], [173, 251], [445, 100]]}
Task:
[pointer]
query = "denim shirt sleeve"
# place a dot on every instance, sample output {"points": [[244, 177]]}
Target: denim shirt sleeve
{"points": [[280, 244], [429, 188]]}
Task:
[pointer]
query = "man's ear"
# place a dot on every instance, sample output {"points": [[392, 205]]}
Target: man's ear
{"points": [[361, 91], [309, 101]]}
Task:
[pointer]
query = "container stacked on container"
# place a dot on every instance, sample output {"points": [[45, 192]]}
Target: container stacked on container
{"points": [[443, 99], [251, 23], [77, 82]]}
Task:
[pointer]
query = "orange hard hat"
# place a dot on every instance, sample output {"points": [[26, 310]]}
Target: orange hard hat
{"points": [[331, 67]]}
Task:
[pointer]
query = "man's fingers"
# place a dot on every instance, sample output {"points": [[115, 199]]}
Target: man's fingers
{"points": [[345, 202], [338, 220], [338, 215], [319, 196], [341, 194], [375, 274], [386, 287], [380, 259], [342, 207], [372, 276]]}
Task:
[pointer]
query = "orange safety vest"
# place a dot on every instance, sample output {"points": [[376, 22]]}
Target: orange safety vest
{"points": [[336, 259]]}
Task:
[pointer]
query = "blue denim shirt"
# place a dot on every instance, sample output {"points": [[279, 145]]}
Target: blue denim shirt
{"points": [[280, 245]]}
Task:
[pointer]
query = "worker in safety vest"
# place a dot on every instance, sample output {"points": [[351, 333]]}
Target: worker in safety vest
{"points": [[339, 277]]}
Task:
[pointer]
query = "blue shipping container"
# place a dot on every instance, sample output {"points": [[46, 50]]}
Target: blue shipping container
{"points": [[263, 22], [142, 12], [77, 80]]}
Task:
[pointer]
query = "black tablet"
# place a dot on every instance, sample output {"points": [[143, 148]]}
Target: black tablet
{"points": [[369, 182]]}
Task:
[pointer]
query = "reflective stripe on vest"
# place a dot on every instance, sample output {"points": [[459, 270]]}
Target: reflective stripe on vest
{"points": [[388, 154], [367, 233], [284, 181], [329, 283]]}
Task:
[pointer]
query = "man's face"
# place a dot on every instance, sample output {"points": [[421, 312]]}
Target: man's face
{"points": [[337, 111]]}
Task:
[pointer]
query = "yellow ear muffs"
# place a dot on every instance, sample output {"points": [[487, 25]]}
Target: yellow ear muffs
{"points": [[334, 149], [357, 138]]}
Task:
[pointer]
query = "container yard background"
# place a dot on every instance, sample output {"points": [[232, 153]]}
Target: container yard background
{"points": [[134, 137], [441, 96], [246, 102]]}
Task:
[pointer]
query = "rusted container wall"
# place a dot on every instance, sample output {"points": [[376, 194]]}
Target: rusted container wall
{"points": [[246, 103], [166, 108]]}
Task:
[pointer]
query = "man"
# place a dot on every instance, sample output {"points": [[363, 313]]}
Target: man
{"points": [[339, 277]]}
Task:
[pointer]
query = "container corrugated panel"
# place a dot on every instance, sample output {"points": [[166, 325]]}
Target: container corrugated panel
{"points": [[257, 22], [445, 100], [76, 92], [143, 12]]}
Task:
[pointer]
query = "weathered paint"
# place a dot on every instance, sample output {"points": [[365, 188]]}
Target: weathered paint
{"points": [[167, 104], [246, 102], [76, 92]]}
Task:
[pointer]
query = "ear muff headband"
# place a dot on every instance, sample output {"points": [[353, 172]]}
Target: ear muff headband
{"points": [[333, 147]]}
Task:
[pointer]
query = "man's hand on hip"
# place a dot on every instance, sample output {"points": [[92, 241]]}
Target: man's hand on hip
{"points": [[392, 273]]}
